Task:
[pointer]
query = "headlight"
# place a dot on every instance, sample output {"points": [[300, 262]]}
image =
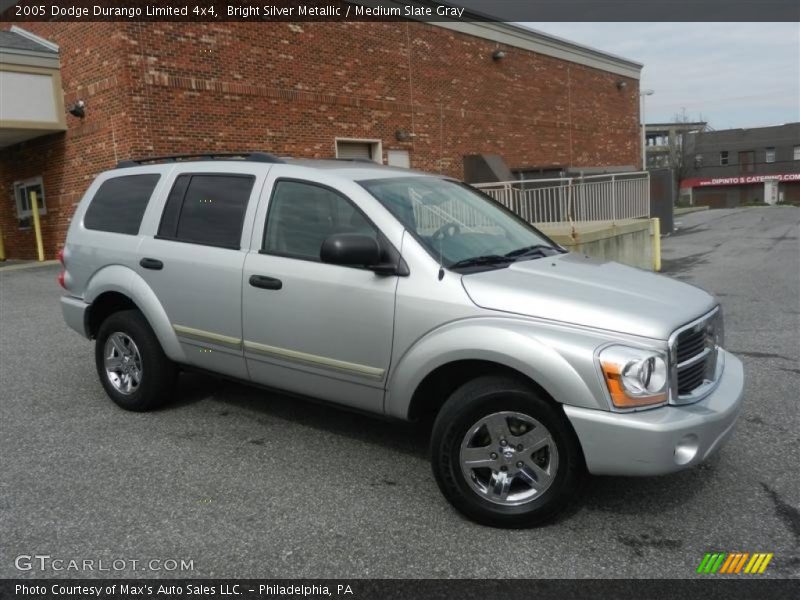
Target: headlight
{"points": [[634, 377], [715, 331]]}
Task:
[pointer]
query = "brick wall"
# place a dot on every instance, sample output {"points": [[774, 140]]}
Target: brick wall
{"points": [[92, 69], [292, 88]]}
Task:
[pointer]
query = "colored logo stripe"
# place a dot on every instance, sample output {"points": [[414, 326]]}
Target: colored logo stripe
{"points": [[726, 566], [734, 562]]}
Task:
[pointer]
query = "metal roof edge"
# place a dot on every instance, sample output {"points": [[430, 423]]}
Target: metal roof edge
{"points": [[541, 43], [526, 38], [50, 46]]}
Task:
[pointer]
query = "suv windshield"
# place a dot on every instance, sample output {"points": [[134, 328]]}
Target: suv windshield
{"points": [[458, 224]]}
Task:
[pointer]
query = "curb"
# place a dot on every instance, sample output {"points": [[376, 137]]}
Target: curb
{"points": [[689, 209], [27, 265]]}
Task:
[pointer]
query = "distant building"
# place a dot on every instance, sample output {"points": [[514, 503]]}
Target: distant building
{"points": [[664, 142], [737, 166]]}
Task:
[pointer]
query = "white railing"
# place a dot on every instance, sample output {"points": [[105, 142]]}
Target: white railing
{"points": [[575, 199]]}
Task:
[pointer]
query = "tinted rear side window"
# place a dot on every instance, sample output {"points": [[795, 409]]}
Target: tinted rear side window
{"points": [[119, 204], [207, 209]]}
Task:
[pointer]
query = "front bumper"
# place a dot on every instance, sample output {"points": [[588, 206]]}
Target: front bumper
{"points": [[74, 311], [661, 440]]}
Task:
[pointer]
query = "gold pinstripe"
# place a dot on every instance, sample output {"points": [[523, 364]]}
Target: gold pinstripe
{"points": [[284, 353], [207, 336], [313, 359]]}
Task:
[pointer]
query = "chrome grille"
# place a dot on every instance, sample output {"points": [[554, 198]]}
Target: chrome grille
{"points": [[690, 344], [691, 378], [694, 357]]}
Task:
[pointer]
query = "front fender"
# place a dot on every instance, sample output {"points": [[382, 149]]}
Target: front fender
{"points": [[559, 360], [126, 281]]}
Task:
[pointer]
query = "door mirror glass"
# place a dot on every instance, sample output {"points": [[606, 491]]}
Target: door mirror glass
{"points": [[351, 249]]}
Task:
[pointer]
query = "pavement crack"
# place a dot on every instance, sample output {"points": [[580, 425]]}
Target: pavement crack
{"points": [[785, 512], [638, 543]]}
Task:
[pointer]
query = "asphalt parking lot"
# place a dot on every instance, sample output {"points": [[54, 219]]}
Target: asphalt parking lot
{"points": [[248, 484]]}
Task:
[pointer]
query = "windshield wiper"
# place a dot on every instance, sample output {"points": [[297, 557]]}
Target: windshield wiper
{"points": [[528, 251], [478, 261]]}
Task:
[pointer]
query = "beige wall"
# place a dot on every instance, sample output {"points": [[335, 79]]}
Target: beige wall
{"points": [[627, 242]]}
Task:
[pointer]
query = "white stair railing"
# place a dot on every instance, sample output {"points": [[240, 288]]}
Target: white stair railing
{"points": [[614, 197]]}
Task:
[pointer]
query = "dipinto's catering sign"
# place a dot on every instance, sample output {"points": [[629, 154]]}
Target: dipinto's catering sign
{"points": [[739, 180]]}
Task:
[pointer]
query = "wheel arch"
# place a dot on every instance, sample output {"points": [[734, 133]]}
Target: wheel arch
{"points": [[117, 287], [458, 352], [433, 391]]}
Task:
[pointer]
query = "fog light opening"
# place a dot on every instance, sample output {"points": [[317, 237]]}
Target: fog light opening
{"points": [[686, 449]]}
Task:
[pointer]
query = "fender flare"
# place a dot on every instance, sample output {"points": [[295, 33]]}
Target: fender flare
{"points": [[126, 281], [502, 341]]}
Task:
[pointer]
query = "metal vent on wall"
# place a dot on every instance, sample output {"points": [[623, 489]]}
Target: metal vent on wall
{"points": [[350, 150]]}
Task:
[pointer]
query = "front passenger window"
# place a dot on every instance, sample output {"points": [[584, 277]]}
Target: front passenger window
{"points": [[302, 215]]}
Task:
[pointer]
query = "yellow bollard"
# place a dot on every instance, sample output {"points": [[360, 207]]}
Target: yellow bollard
{"points": [[656, 229], [2, 247], [37, 226]]}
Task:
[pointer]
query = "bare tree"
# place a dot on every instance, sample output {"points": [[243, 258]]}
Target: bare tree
{"points": [[683, 142]]}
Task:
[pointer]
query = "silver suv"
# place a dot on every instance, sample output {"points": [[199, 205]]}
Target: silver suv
{"points": [[404, 294]]}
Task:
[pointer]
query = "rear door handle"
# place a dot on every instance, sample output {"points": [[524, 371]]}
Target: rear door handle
{"points": [[266, 283], [151, 263]]}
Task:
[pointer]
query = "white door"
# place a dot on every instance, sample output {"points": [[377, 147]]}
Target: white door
{"points": [[398, 158], [771, 191]]}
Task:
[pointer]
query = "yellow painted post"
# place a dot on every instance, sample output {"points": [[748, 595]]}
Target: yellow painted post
{"points": [[2, 247], [37, 226], [656, 229]]}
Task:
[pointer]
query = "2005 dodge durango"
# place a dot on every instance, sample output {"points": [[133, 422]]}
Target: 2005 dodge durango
{"points": [[406, 294]]}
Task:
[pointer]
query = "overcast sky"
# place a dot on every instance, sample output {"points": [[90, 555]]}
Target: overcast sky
{"points": [[735, 74]]}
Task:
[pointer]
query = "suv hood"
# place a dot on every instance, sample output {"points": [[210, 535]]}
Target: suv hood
{"points": [[576, 289]]}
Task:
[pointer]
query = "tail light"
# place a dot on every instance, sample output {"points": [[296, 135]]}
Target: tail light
{"points": [[62, 275]]}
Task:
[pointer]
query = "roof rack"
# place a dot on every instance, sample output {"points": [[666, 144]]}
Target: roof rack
{"points": [[261, 157]]}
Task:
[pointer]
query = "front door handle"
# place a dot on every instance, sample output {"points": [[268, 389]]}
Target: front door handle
{"points": [[151, 263], [266, 283]]}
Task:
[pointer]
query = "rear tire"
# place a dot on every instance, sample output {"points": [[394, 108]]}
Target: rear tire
{"points": [[503, 454], [131, 364]]}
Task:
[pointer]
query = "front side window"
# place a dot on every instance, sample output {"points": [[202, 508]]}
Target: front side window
{"points": [[207, 209], [796, 153], [119, 204], [723, 158], [301, 215], [769, 155], [457, 224]]}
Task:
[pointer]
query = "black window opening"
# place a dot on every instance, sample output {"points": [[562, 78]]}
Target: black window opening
{"points": [[119, 204], [302, 215], [207, 209]]}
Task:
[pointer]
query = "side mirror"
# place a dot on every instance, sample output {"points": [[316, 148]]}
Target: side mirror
{"points": [[352, 249]]}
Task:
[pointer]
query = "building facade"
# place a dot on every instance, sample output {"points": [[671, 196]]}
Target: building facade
{"points": [[412, 94], [741, 166]]}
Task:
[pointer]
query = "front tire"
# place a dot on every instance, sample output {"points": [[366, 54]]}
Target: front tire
{"points": [[504, 455], [131, 364]]}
